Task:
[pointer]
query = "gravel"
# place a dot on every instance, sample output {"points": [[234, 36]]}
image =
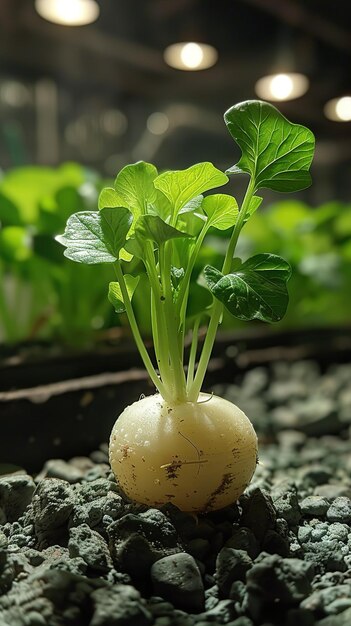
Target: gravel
{"points": [[74, 551]]}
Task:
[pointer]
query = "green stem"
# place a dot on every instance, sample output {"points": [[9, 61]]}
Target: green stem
{"points": [[136, 334], [172, 324], [192, 356], [217, 310], [159, 330]]}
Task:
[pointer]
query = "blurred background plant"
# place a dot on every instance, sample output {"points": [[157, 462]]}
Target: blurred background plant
{"points": [[42, 294], [45, 296]]}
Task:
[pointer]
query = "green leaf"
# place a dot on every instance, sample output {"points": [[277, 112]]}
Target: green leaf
{"points": [[153, 228], [96, 236], [115, 292], [9, 213], [199, 301], [134, 246], [109, 198], [221, 209], [256, 291], [177, 273], [276, 153], [255, 204], [192, 205], [15, 244], [181, 186], [134, 185]]}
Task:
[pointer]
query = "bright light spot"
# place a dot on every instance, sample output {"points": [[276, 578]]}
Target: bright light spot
{"points": [[68, 12], [157, 123], [190, 56], [343, 108], [339, 109], [279, 87]]}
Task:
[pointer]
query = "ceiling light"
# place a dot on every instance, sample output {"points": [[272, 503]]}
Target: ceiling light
{"points": [[68, 12], [157, 123], [277, 87], [339, 109], [190, 56]]}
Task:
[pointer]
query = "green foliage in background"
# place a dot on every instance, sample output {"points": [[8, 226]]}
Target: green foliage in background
{"points": [[43, 295]]}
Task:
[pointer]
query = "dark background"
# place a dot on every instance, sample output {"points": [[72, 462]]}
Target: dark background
{"points": [[85, 93]]}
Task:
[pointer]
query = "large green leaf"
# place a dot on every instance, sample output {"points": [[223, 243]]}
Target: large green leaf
{"points": [[256, 291], [276, 153], [221, 210], [109, 198], [115, 292], [134, 185], [153, 228], [181, 186], [96, 236]]}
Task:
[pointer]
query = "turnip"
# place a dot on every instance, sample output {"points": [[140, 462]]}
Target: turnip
{"points": [[180, 445]]}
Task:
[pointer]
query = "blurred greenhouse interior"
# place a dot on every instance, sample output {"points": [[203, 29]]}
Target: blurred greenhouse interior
{"points": [[79, 101]]}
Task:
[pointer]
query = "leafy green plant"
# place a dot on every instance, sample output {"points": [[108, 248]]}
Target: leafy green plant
{"points": [[41, 293], [156, 224]]}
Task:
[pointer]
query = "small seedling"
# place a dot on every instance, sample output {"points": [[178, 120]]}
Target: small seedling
{"points": [[181, 445]]}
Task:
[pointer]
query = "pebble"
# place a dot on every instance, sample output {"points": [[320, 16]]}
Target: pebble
{"points": [[286, 504], [15, 495], [177, 579], [340, 510], [58, 468], [120, 605], [258, 514], [314, 506], [231, 565], [91, 547]]}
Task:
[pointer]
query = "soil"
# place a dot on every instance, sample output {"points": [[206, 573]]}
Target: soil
{"points": [[74, 551]]}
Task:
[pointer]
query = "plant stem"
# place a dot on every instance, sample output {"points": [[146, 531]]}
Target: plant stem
{"points": [[172, 324], [136, 334], [159, 330], [217, 311], [192, 356]]}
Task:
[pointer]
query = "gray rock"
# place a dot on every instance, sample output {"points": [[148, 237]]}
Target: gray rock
{"points": [[274, 543], [121, 605], [231, 565], [222, 613], [52, 503], [285, 500], [343, 619], [137, 541], [331, 491], [321, 600], [315, 506], [243, 539], [91, 547], [58, 468], [258, 512], [241, 621], [177, 579], [340, 510], [275, 579], [299, 616], [15, 495]]}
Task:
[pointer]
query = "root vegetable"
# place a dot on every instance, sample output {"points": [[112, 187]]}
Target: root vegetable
{"points": [[199, 456]]}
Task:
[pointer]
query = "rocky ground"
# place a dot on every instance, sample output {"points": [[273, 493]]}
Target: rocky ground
{"points": [[74, 552]]}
